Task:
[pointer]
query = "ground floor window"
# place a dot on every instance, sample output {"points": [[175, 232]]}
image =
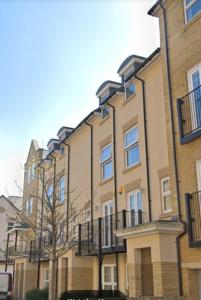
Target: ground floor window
{"points": [[109, 277], [46, 279]]}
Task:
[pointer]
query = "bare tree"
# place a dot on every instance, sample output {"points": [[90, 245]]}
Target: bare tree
{"points": [[53, 227]]}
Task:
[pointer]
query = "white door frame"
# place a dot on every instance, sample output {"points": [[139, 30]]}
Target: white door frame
{"points": [[106, 222], [136, 208], [191, 88]]}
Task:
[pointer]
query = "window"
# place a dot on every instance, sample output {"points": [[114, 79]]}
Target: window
{"points": [[28, 175], [130, 90], [61, 184], [135, 207], [106, 162], [88, 215], [29, 204], [166, 194], [32, 171], [104, 96], [194, 83], [104, 112], [192, 8], [131, 147], [109, 277], [50, 194], [128, 73], [46, 279]]}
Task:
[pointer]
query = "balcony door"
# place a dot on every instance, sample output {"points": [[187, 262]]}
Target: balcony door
{"points": [[134, 207], [198, 171], [107, 212], [194, 85]]}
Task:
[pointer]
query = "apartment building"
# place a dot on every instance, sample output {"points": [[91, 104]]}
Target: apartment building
{"points": [[180, 25], [116, 168], [7, 223], [132, 167]]}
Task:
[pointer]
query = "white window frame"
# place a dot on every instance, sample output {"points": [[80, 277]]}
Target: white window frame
{"points": [[113, 284], [105, 162], [128, 72], [126, 86], [186, 7], [61, 191], [50, 198], [46, 278], [88, 215], [136, 209], [164, 194], [190, 89], [127, 148], [29, 206], [198, 174]]}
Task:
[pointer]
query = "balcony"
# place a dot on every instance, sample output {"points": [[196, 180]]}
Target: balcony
{"points": [[193, 212], [189, 115], [37, 249], [19, 250], [101, 235]]}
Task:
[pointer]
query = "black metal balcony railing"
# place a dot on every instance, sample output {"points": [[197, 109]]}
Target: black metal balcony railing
{"points": [[102, 233], [19, 250], [193, 209], [189, 113], [38, 249]]}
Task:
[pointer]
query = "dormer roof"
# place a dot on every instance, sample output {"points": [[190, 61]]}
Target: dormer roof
{"points": [[106, 85], [53, 144], [64, 132], [132, 60]]}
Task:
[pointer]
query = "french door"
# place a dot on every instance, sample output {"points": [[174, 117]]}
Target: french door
{"points": [[198, 171], [135, 207], [109, 277], [107, 211], [194, 85]]}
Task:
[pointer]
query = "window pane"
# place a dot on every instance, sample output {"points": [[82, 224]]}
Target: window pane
{"points": [[193, 10], [188, 1], [107, 170], [50, 193], [131, 137], [167, 203], [106, 153], [166, 186], [133, 156], [61, 189], [130, 90]]}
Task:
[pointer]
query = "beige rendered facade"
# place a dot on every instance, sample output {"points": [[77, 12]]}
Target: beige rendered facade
{"points": [[118, 166]]}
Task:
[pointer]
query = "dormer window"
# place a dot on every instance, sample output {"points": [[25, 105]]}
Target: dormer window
{"points": [[130, 90], [107, 90], [128, 72], [104, 97]]}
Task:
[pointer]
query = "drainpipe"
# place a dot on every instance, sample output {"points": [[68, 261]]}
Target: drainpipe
{"points": [[91, 175], [174, 150], [7, 243], [68, 188], [41, 228], [115, 184], [146, 147], [54, 215]]}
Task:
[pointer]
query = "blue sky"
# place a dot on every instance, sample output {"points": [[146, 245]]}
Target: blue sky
{"points": [[53, 57]]}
